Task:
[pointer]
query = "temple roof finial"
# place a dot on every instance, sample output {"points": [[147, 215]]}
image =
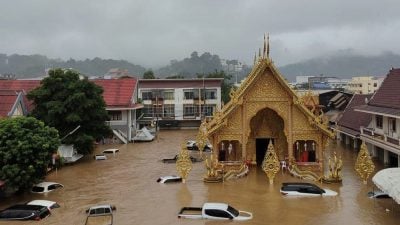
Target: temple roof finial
{"points": [[255, 58], [267, 46], [259, 52]]}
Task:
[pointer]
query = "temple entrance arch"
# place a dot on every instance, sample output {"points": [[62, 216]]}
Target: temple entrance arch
{"points": [[267, 126]]}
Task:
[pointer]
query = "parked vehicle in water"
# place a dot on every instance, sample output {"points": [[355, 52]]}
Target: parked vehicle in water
{"points": [[100, 215], [169, 179], [378, 194], [49, 204], [100, 157], [111, 151], [305, 189], [45, 187], [192, 145], [173, 160], [25, 212], [215, 211]]}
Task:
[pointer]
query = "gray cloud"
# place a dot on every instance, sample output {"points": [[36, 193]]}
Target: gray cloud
{"points": [[151, 32]]}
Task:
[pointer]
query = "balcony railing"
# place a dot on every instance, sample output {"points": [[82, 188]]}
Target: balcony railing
{"points": [[379, 137]]}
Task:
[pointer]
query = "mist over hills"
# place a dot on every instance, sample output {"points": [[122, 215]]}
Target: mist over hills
{"points": [[341, 64]]}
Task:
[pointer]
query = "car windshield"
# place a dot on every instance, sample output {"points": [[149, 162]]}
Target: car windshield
{"points": [[233, 211], [37, 189]]}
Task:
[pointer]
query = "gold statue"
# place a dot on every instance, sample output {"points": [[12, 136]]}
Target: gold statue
{"points": [[201, 138], [364, 165], [183, 163], [335, 168], [270, 165], [212, 173]]}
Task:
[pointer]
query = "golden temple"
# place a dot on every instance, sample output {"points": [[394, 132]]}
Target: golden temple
{"points": [[266, 109]]}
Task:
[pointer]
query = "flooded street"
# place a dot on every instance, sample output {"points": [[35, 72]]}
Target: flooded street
{"points": [[128, 181]]}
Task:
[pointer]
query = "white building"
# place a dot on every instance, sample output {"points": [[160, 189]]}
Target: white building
{"points": [[364, 84], [179, 102]]}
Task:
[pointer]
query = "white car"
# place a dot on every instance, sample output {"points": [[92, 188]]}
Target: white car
{"points": [[169, 179], [191, 145], [111, 151], [49, 204], [378, 194], [100, 157], [45, 187], [305, 189]]}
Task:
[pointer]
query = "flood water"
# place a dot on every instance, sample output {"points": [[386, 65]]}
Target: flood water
{"points": [[128, 181]]}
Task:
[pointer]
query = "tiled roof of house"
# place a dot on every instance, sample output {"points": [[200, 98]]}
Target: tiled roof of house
{"points": [[352, 120], [118, 92], [8, 99], [388, 95], [25, 85]]}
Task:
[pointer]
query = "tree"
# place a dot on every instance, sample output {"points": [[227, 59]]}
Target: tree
{"points": [[226, 85], [148, 75], [65, 102], [26, 145]]}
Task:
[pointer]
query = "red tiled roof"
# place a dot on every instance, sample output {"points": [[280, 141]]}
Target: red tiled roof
{"points": [[352, 119], [117, 92], [388, 94], [7, 101], [25, 85]]}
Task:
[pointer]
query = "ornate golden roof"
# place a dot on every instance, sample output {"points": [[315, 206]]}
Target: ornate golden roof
{"points": [[263, 63]]}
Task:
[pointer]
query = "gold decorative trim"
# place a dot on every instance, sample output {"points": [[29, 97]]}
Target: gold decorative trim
{"points": [[270, 164], [364, 165], [183, 163]]}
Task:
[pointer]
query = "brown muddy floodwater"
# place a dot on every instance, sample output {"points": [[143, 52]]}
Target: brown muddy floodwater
{"points": [[128, 181]]}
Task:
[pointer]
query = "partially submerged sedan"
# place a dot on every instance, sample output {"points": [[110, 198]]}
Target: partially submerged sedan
{"points": [[25, 212], [305, 189], [169, 179], [45, 187], [49, 204]]}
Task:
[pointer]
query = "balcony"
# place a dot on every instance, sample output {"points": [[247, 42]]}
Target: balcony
{"points": [[381, 140]]}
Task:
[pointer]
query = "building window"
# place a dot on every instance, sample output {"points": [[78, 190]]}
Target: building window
{"points": [[375, 85], [379, 121], [190, 111], [146, 95], [207, 110], [188, 94], [168, 95], [115, 115], [169, 111], [148, 110], [211, 94], [392, 125]]}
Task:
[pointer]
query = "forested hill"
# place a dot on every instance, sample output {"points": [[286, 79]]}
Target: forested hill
{"points": [[29, 66], [343, 66]]}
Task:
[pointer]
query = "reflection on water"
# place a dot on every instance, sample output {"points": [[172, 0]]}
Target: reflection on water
{"points": [[128, 181]]}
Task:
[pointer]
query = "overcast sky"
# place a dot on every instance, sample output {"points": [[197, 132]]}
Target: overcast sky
{"points": [[151, 33]]}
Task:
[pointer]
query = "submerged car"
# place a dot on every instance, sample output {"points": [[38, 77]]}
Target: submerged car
{"points": [[45, 187], [25, 212], [173, 160], [191, 145], [378, 194], [49, 204], [305, 189], [100, 157], [169, 179], [111, 151]]}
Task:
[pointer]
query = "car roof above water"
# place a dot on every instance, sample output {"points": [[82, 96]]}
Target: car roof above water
{"points": [[302, 184]]}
